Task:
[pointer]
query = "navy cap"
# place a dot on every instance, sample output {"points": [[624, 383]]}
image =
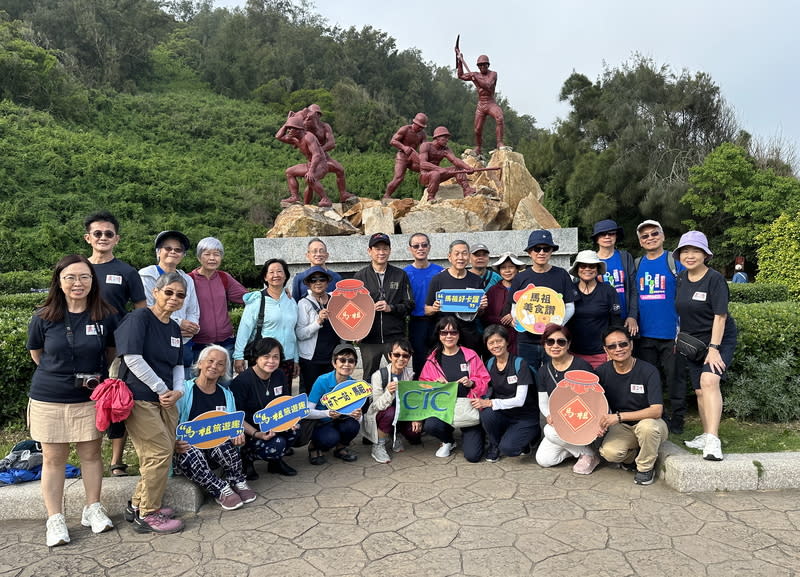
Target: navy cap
{"points": [[607, 225], [182, 238], [538, 237], [379, 237]]}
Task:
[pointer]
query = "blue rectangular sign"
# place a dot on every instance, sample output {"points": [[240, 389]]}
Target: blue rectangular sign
{"points": [[459, 300], [280, 414], [210, 429]]}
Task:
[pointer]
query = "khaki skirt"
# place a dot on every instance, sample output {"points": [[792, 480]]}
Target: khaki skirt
{"points": [[62, 422]]}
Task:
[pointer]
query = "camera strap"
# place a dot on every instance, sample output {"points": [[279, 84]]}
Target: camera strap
{"points": [[71, 341]]}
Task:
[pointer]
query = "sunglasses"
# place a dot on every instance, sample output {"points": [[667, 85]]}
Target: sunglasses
{"points": [[542, 249], [420, 245], [654, 234], [446, 333], [620, 345], [346, 360], [584, 265], [553, 342], [175, 249], [103, 233], [317, 279], [608, 233], [401, 355], [172, 293]]}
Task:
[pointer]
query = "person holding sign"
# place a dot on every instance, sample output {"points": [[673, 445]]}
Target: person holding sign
{"points": [[149, 342], [335, 430], [553, 449], [262, 382], [510, 416], [447, 363], [203, 394], [378, 423]]}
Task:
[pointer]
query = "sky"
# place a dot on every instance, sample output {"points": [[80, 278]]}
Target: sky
{"points": [[748, 48]]}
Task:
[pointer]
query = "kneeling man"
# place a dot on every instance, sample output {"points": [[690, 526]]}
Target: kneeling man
{"points": [[634, 429]]}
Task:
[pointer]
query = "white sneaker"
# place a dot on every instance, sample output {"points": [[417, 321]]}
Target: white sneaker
{"points": [[445, 449], [698, 442], [95, 516], [57, 533], [713, 449], [398, 446], [379, 453]]}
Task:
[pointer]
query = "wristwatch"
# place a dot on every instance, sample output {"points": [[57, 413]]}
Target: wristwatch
{"points": [[711, 346]]}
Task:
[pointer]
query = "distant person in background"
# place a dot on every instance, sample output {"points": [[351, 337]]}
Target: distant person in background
{"points": [[120, 286], [508, 266], [479, 259], [740, 276], [420, 272], [407, 141], [214, 289], [317, 255], [620, 270]]}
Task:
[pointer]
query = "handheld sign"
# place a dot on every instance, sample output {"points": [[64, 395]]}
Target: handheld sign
{"points": [[282, 413], [576, 407], [211, 429], [535, 307], [347, 396], [351, 310], [459, 300], [418, 400]]}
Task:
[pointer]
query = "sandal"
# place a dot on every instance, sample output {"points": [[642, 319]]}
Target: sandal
{"points": [[344, 454], [120, 470], [316, 459]]}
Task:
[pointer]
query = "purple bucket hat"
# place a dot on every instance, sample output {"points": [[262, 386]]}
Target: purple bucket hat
{"points": [[693, 238]]}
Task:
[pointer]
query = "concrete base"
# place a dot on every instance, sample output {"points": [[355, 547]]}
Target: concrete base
{"points": [[24, 501]]}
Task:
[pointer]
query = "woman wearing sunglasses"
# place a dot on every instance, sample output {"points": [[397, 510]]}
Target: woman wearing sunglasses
{"points": [[553, 449], [447, 363], [316, 338], [335, 430], [378, 423], [149, 342]]}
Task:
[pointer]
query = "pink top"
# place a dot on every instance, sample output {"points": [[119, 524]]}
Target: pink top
{"points": [[213, 295], [477, 372]]}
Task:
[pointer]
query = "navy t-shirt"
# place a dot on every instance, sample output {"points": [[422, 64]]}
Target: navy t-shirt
{"points": [[470, 331], [593, 314], [698, 302], [252, 393], [202, 402], [120, 284], [505, 382], [549, 377], [454, 367], [635, 390], [160, 344], [54, 378]]}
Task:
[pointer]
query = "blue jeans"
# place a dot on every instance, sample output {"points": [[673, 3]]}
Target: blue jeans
{"points": [[471, 437], [511, 434]]}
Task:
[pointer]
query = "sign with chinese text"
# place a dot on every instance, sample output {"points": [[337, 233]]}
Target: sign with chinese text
{"points": [[211, 429], [347, 396], [351, 310], [459, 300], [576, 407], [535, 307], [418, 400], [282, 413]]}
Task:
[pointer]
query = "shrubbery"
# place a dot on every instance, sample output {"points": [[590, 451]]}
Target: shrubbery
{"points": [[24, 281], [778, 245], [761, 292]]}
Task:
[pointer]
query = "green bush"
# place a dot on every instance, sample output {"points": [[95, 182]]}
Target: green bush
{"points": [[23, 281], [25, 302], [16, 362], [762, 384], [761, 292], [778, 244]]}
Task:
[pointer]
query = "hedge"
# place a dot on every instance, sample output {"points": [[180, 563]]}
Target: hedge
{"points": [[24, 281], [758, 292]]}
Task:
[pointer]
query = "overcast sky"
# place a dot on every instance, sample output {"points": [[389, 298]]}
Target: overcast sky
{"points": [[749, 48]]}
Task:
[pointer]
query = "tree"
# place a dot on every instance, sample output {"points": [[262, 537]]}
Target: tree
{"points": [[778, 247]]}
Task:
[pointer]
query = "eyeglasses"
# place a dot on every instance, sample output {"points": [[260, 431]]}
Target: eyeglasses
{"points": [[103, 233], [72, 279], [401, 355], [585, 265], [542, 249], [172, 293], [620, 345], [446, 333], [420, 245], [175, 249], [647, 235], [318, 252], [346, 360], [317, 279], [608, 233], [553, 342]]}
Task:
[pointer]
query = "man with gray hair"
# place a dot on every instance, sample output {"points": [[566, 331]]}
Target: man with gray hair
{"points": [[317, 255]]}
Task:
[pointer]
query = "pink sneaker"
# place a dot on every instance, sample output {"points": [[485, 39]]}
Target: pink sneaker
{"points": [[228, 499], [586, 464], [157, 523], [246, 494], [132, 512]]}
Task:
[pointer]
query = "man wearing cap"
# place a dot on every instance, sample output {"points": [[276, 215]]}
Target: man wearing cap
{"points": [[171, 247], [420, 272], [317, 255], [431, 155], [312, 120], [294, 132], [620, 270], [479, 259], [389, 288], [656, 274], [456, 276], [485, 81], [407, 141], [541, 273]]}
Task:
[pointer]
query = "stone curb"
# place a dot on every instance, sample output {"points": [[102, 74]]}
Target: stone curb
{"points": [[689, 473]]}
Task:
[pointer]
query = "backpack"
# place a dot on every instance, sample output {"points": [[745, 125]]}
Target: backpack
{"points": [[517, 364], [670, 264]]}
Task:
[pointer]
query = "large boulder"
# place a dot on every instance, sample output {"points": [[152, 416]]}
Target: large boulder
{"points": [[309, 220], [531, 214], [377, 219], [482, 211]]}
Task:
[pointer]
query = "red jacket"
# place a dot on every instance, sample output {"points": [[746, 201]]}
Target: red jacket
{"points": [[477, 372]]}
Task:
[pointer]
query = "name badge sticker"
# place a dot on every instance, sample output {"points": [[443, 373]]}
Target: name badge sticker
{"points": [[464, 368], [279, 390], [175, 342], [637, 389], [113, 279], [91, 330], [512, 379], [699, 296]]}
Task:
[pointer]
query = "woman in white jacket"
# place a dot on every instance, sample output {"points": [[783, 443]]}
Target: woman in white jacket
{"points": [[316, 338]]}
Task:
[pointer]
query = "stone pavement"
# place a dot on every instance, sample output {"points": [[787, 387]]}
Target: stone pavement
{"points": [[424, 516]]}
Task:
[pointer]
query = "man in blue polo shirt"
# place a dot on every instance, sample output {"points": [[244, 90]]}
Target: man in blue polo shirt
{"points": [[656, 275]]}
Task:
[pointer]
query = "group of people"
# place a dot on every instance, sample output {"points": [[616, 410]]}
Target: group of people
{"points": [[168, 336]]}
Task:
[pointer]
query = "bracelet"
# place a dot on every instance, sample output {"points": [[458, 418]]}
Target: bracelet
{"points": [[254, 434], [619, 417]]}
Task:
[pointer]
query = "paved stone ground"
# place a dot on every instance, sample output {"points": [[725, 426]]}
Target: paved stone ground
{"points": [[424, 516]]}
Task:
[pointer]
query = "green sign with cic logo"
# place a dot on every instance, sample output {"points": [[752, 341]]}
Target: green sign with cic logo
{"points": [[418, 400]]}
